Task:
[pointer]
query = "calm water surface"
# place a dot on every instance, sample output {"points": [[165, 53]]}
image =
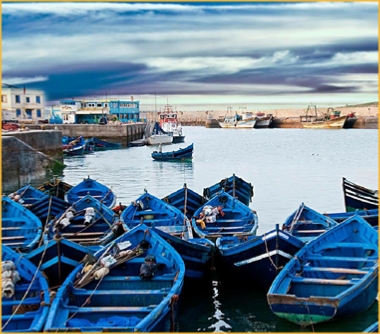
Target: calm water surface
{"points": [[285, 166]]}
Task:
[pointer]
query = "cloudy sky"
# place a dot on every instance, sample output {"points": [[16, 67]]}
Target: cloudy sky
{"points": [[194, 53]]}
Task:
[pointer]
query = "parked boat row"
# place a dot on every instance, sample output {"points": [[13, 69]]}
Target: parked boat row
{"points": [[79, 145], [123, 267]]}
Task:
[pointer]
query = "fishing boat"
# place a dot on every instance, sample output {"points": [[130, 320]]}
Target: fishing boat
{"points": [[256, 258], [173, 226], [25, 294], [238, 122], [57, 258], [316, 120], [263, 121], [20, 228], [169, 123], [94, 188], [73, 145], [157, 136], [332, 277], [224, 215], [102, 145], [307, 224], [370, 216], [357, 197], [133, 285], [186, 200], [182, 154], [374, 328], [27, 195], [350, 122], [55, 187], [234, 186], [87, 222]]}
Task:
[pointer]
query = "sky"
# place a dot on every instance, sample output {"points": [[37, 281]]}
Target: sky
{"points": [[194, 54]]}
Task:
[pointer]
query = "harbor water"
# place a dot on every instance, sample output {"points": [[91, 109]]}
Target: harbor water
{"points": [[285, 166]]}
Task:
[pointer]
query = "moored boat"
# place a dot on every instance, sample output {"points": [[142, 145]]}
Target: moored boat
{"points": [[233, 185], [20, 228], [256, 258], [307, 224], [224, 215], [169, 123], [313, 119], [132, 286], [237, 122], [27, 195], [357, 197], [102, 145], [370, 216], [55, 187], [157, 136], [94, 188], [332, 277], [172, 225], [73, 145], [25, 294], [263, 121], [182, 154]]}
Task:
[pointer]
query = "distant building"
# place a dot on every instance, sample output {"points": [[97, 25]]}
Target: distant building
{"points": [[22, 104], [92, 111]]}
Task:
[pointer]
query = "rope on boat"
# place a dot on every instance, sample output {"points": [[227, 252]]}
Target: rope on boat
{"points": [[270, 258], [28, 289]]}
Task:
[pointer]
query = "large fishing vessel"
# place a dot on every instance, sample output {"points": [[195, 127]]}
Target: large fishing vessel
{"points": [[170, 124]]}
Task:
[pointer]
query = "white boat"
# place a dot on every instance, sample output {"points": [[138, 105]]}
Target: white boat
{"points": [[170, 124], [237, 121], [158, 136]]}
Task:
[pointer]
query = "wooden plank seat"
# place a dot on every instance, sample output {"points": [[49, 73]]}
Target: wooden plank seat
{"points": [[159, 292], [113, 309], [143, 213], [348, 245], [17, 228], [340, 258], [335, 270], [299, 279], [65, 235], [164, 278], [309, 231], [13, 237]]}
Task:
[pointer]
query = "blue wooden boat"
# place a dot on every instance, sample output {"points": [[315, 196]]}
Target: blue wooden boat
{"points": [[55, 187], [73, 145], [25, 294], [233, 185], [87, 222], [182, 154], [357, 197], [370, 216], [256, 258], [94, 188], [173, 226], [332, 277], [140, 279], [224, 215], [20, 228], [27, 195], [57, 259], [186, 200], [374, 328], [306, 223], [102, 145]]}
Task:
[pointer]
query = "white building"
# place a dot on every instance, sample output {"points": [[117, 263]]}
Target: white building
{"points": [[22, 104]]}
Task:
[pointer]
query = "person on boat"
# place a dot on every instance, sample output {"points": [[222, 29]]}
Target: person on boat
{"points": [[160, 148]]}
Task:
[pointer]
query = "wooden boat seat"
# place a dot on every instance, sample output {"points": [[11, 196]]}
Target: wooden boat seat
{"points": [[13, 237], [335, 270], [348, 245], [17, 228], [164, 278], [309, 231], [162, 291], [340, 258], [143, 213], [321, 281], [115, 309], [65, 235]]}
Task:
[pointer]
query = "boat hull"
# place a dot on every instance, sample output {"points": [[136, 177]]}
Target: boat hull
{"points": [[335, 123], [263, 122], [357, 197], [247, 124], [159, 139]]}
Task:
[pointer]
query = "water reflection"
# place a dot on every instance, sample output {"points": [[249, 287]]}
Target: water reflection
{"points": [[220, 325]]}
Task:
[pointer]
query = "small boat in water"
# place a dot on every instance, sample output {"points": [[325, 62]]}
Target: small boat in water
{"points": [[102, 145], [20, 228], [307, 224], [25, 294], [173, 226], [133, 285], [186, 200], [332, 277], [263, 121], [182, 154], [224, 215], [73, 145], [157, 136], [256, 258], [87, 222], [357, 197], [234, 186], [170, 124], [94, 188]]}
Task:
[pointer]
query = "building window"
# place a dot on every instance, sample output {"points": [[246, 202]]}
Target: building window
{"points": [[18, 100], [28, 113], [4, 98], [38, 112], [27, 99], [38, 99], [18, 112]]}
